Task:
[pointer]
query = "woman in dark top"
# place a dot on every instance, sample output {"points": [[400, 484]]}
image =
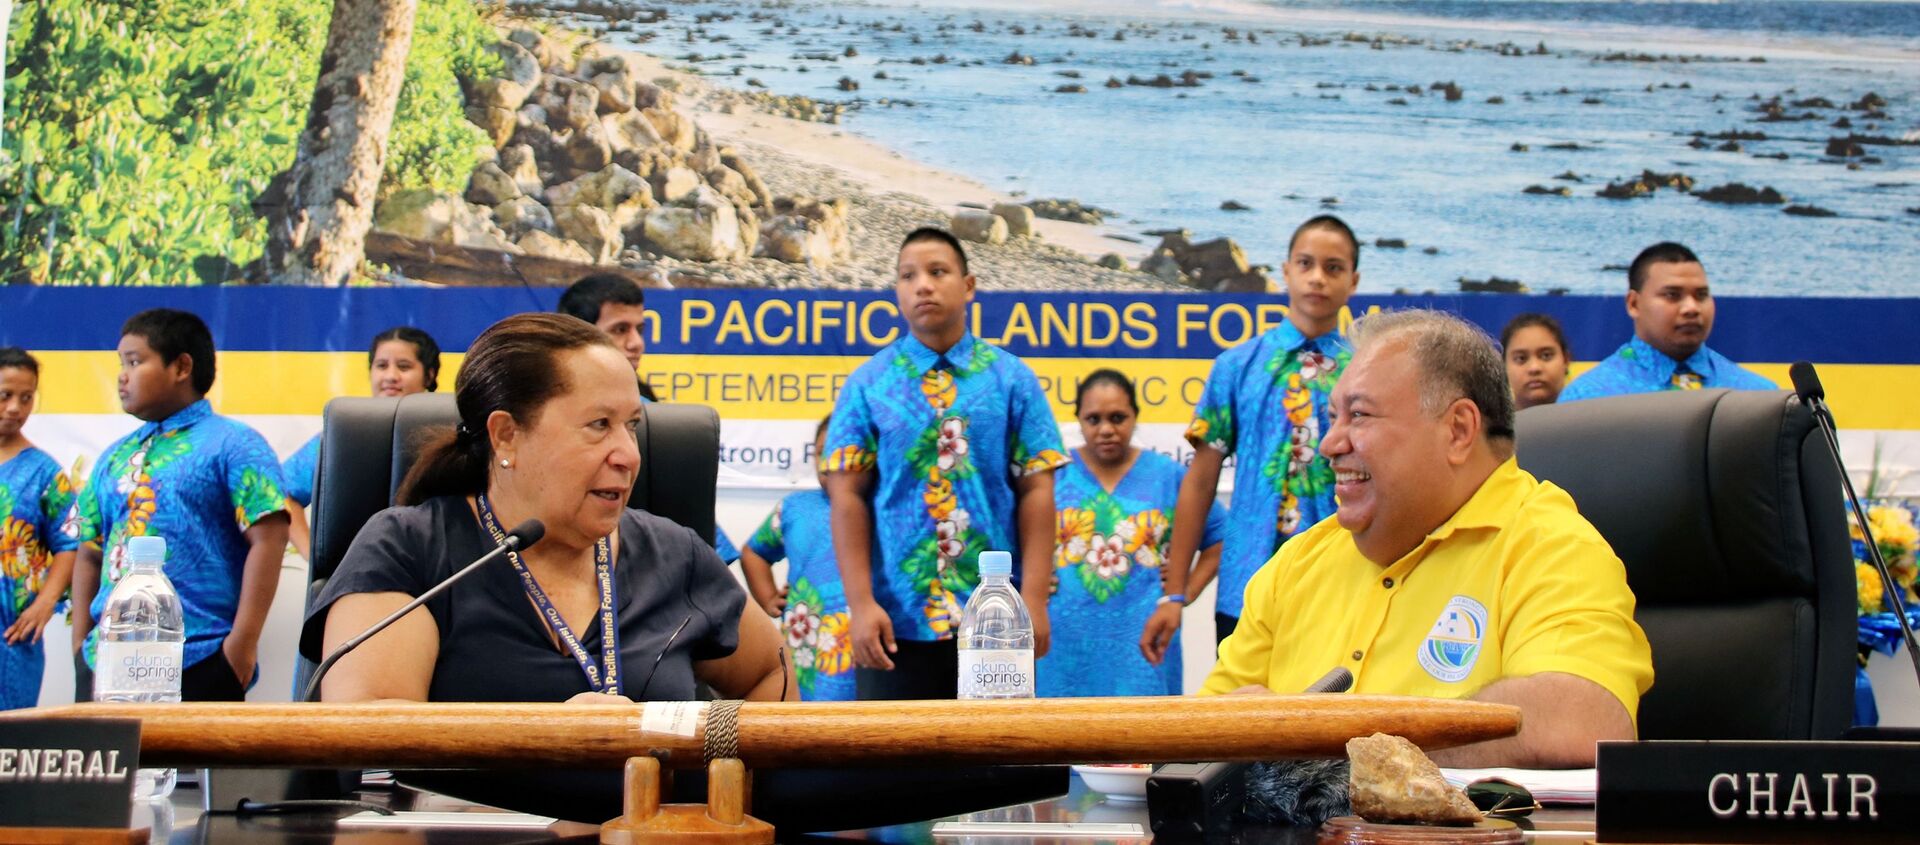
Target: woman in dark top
{"points": [[547, 409]]}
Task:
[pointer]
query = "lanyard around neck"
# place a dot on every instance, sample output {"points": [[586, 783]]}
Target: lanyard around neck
{"points": [[604, 676]]}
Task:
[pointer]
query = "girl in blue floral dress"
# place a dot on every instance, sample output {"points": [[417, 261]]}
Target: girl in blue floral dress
{"points": [[36, 559], [1115, 504]]}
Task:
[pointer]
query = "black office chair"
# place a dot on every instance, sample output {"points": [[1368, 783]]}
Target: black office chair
{"points": [[1727, 510]]}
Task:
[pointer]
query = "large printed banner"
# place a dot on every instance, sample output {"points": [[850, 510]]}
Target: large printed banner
{"points": [[772, 362]]}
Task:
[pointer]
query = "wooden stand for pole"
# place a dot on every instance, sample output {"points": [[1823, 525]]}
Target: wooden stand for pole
{"points": [[723, 820]]}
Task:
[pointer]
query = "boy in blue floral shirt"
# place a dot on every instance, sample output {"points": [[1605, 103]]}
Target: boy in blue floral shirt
{"points": [[941, 447], [211, 486], [1265, 404]]}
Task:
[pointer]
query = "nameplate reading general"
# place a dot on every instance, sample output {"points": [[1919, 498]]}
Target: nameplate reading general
{"points": [[67, 772]]}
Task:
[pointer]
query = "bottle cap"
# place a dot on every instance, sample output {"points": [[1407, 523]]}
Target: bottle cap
{"points": [[147, 549], [996, 563]]}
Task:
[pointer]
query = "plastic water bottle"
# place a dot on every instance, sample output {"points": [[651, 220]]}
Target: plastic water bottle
{"points": [[138, 655], [996, 635]]}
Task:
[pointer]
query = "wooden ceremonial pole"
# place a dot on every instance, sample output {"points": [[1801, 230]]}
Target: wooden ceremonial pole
{"points": [[794, 734], [727, 736]]}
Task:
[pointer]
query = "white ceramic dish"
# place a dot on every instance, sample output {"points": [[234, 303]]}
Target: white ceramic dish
{"points": [[1120, 783]]}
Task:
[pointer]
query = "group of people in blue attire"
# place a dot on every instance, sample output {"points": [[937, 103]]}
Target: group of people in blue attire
{"points": [[939, 447]]}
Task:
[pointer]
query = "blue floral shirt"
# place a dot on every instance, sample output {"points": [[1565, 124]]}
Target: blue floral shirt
{"points": [[199, 480], [1281, 484], [35, 496], [299, 471], [1107, 559], [947, 435], [799, 531], [1637, 367]]}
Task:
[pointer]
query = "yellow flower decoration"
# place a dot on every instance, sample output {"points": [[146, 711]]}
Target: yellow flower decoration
{"points": [[1197, 430], [1046, 460], [939, 496], [1074, 530], [838, 659], [1298, 403], [1150, 528], [938, 387], [17, 544], [942, 611], [847, 459], [1871, 591], [1896, 535]]}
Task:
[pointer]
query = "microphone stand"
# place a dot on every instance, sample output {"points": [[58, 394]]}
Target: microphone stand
{"points": [[1823, 419]]}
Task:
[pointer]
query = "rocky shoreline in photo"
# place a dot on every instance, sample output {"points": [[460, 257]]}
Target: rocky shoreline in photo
{"points": [[599, 162], [613, 158]]}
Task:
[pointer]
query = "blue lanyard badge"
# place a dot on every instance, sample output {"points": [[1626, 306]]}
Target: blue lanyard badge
{"points": [[604, 677]]}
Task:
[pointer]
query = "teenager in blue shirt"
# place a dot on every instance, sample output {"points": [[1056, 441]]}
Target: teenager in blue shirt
{"points": [[401, 361], [1265, 404], [206, 483], [1672, 311], [941, 447]]}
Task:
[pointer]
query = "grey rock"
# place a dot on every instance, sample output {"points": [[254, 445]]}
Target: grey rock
{"points": [[701, 226], [972, 224], [520, 215], [1019, 218], [546, 245], [592, 228], [490, 186]]}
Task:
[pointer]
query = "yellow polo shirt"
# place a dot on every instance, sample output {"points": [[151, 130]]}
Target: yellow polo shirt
{"points": [[1515, 583]]}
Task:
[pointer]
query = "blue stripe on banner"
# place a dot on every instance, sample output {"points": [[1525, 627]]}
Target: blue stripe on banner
{"points": [[761, 322]]}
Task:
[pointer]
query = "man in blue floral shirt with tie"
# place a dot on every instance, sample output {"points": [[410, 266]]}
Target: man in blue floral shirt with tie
{"points": [[941, 447], [1265, 404], [1672, 312], [209, 485]]}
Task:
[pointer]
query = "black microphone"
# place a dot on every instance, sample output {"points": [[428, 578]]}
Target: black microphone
{"points": [[1340, 679], [1806, 383], [521, 538]]}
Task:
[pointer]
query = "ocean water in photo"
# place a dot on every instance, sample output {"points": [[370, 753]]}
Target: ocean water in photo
{"points": [[1301, 108]]}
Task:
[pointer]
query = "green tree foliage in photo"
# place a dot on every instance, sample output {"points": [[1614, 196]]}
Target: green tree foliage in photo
{"points": [[138, 132]]}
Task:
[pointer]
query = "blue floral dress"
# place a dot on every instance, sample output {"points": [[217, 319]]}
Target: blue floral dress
{"points": [[1107, 560], [815, 621]]}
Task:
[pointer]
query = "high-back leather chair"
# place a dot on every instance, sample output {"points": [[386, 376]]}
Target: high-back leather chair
{"points": [[1727, 510], [368, 444]]}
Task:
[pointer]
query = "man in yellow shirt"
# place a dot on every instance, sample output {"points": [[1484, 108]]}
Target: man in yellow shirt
{"points": [[1447, 571]]}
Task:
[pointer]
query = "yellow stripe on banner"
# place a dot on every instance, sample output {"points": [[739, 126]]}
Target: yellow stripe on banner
{"points": [[244, 382], [762, 387]]}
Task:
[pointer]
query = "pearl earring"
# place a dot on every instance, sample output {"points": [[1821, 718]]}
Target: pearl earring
{"points": [[504, 463]]}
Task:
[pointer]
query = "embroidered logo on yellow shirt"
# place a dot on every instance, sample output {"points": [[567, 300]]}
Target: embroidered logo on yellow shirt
{"points": [[1453, 645]]}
